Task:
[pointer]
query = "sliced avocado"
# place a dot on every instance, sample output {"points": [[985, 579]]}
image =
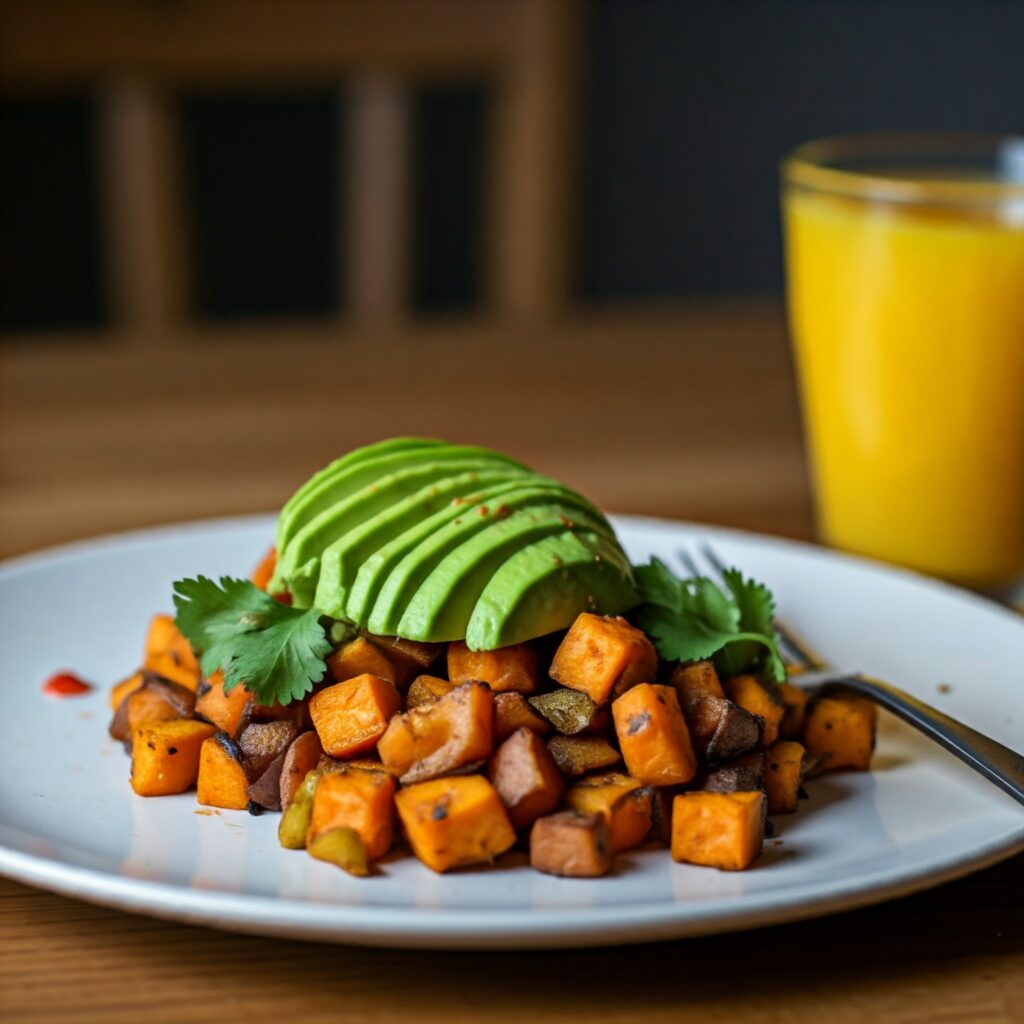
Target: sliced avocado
{"points": [[543, 587], [341, 561], [299, 562], [417, 553], [361, 469], [371, 451], [441, 606], [376, 568]]}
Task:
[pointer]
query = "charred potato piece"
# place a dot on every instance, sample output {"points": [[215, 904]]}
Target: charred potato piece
{"points": [[262, 743], [512, 712], [571, 844], [569, 711], [300, 759], [577, 755], [722, 730], [745, 773], [526, 777]]}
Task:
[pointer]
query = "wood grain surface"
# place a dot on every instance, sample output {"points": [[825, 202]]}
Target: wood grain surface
{"points": [[688, 414]]}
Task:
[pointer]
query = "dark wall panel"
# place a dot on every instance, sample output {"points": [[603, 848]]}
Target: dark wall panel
{"points": [[691, 105]]}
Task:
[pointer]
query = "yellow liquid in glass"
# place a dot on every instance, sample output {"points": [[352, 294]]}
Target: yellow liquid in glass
{"points": [[908, 327]]}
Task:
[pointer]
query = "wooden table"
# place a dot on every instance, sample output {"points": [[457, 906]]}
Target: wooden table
{"points": [[688, 413]]}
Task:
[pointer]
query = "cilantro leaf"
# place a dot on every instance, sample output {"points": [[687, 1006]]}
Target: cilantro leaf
{"points": [[277, 651], [692, 619]]}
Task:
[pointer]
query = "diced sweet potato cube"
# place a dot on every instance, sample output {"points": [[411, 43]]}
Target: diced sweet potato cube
{"points": [[511, 712], [165, 756], [624, 803], [577, 755], [300, 759], [262, 743], [362, 801], [359, 657], [719, 830], [222, 781], [120, 690], [840, 731], [507, 669], [455, 821], [720, 729], [416, 652], [350, 717], [263, 572], [603, 656], [169, 654], [156, 700], [229, 711], [759, 699], [794, 701], [569, 711], [653, 736], [425, 690], [783, 774], [454, 731], [526, 777], [571, 844], [742, 774], [694, 682]]}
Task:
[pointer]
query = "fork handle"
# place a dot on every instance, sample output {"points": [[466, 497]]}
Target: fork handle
{"points": [[998, 764]]}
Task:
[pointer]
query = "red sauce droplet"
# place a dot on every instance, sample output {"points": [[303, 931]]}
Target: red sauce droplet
{"points": [[65, 684]]}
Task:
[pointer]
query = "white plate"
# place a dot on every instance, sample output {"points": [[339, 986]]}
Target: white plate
{"points": [[70, 823]]}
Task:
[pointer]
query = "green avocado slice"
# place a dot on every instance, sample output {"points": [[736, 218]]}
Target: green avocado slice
{"points": [[299, 562], [441, 607], [341, 561], [374, 571], [299, 501], [543, 587], [413, 556]]}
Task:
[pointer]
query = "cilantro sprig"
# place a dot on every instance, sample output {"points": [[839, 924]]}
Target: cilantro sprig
{"points": [[277, 651], [691, 619]]}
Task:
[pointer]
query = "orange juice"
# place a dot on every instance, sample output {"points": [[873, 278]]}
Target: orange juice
{"points": [[908, 328]]}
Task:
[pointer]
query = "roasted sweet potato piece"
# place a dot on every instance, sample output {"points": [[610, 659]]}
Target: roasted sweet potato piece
{"points": [[359, 657], [721, 730], [299, 760], [526, 777], [571, 844], [266, 790], [438, 738], [794, 701], [719, 830], [841, 732], [343, 848], [120, 690], [169, 654], [359, 800], [507, 669], [156, 700], [417, 653], [230, 711], [661, 813], [350, 717], [511, 712], [783, 774], [165, 756], [742, 774], [263, 572], [695, 681], [571, 712], [425, 690], [653, 736], [455, 821], [603, 657], [262, 743], [577, 755], [222, 781], [624, 803], [759, 699]]}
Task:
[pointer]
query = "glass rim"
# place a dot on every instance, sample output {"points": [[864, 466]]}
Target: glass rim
{"points": [[807, 167]]}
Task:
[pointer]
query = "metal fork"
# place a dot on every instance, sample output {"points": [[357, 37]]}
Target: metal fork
{"points": [[998, 764]]}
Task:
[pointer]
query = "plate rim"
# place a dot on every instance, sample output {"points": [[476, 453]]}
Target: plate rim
{"points": [[468, 928]]}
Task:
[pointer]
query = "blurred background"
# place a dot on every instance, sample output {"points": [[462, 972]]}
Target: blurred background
{"points": [[238, 238]]}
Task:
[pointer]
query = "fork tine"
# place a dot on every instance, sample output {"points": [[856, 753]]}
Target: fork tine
{"points": [[686, 558], [802, 655]]}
